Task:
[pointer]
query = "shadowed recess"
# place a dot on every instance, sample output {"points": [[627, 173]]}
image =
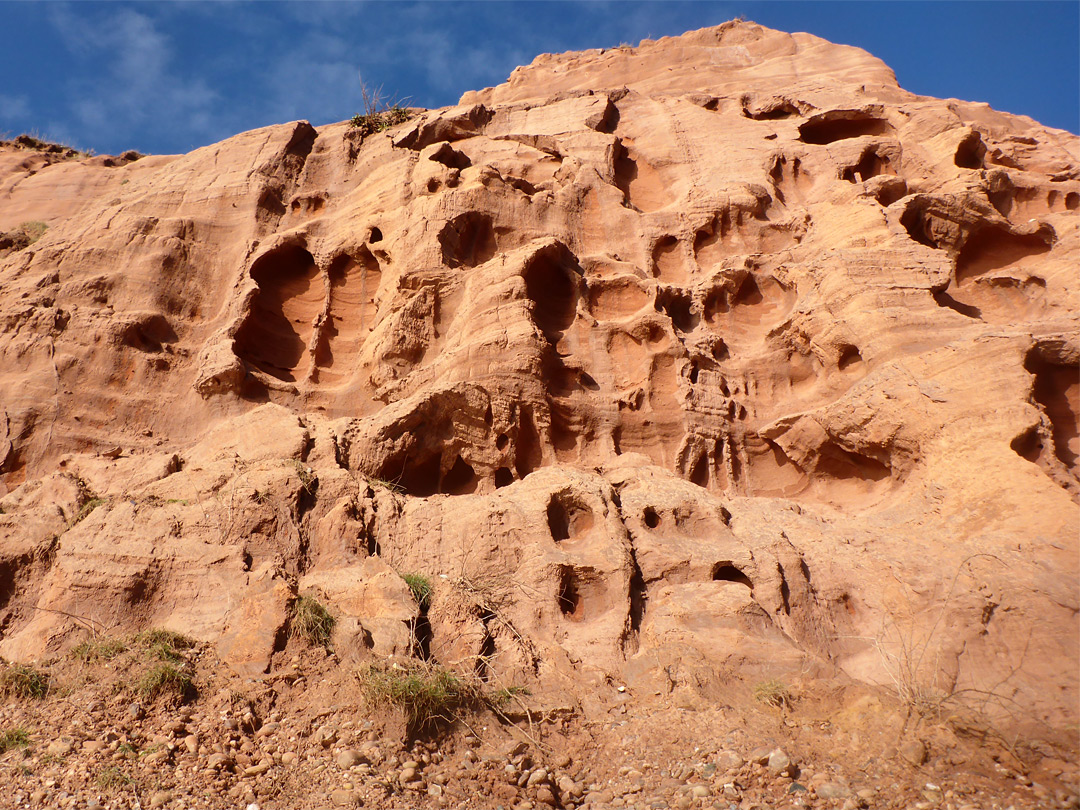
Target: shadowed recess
{"points": [[275, 336], [837, 125], [468, 240]]}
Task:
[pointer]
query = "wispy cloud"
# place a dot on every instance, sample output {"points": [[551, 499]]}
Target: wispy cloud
{"points": [[13, 110], [133, 84]]}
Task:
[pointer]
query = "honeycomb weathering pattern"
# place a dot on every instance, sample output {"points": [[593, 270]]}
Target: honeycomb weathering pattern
{"points": [[722, 351]]}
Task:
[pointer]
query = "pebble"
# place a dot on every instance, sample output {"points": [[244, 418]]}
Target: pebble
{"points": [[218, 761], [730, 761], [160, 798], [343, 797], [346, 759], [779, 762], [913, 752], [760, 756], [267, 729], [536, 777], [832, 790], [59, 748]]}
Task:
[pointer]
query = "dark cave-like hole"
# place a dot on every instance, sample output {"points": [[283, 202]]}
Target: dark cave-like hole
{"points": [[849, 356], [839, 125], [569, 599], [460, 479], [726, 572]]}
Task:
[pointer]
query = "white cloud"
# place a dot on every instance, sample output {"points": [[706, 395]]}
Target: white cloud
{"points": [[136, 83], [13, 108]]}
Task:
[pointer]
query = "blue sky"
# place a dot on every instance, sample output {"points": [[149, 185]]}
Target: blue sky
{"points": [[167, 77]]}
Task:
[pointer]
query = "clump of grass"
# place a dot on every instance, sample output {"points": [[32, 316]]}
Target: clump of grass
{"points": [[393, 486], [24, 681], [308, 480], [14, 738], [428, 695], [370, 123], [163, 678], [501, 698], [420, 586], [312, 621], [774, 693], [84, 510], [23, 236], [164, 645], [30, 141], [380, 113], [99, 648], [113, 778], [34, 229]]}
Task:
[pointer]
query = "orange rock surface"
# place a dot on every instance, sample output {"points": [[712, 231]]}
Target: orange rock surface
{"points": [[719, 357]]}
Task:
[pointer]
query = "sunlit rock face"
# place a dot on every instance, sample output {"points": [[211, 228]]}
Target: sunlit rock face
{"points": [[718, 357]]}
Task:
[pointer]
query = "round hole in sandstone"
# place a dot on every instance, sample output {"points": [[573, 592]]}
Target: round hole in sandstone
{"points": [[503, 477], [502, 441], [551, 286], [274, 336], [726, 572], [468, 239], [651, 518], [569, 599], [970, 152], [1072, 200], [375, 235], [849, 356], [459, 479], [567, 519], [699, 472]]}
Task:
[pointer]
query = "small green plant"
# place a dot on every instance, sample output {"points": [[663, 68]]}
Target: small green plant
{"points": [[307, 477], [99, 648], [113, 778], [393, 486], [34, 229], [164, 645], [428, 695], [163, 678], [420, 586], [14, 738], [501, 698], [84, 510], [24, 681], [774, 693], [379, 112], [312, 621]]}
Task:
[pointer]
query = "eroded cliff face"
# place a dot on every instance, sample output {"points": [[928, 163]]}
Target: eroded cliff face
{"points": [[718, 357]]}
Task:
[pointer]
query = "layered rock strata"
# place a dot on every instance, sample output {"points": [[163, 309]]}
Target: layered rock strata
{"points": [[718, 357]]}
